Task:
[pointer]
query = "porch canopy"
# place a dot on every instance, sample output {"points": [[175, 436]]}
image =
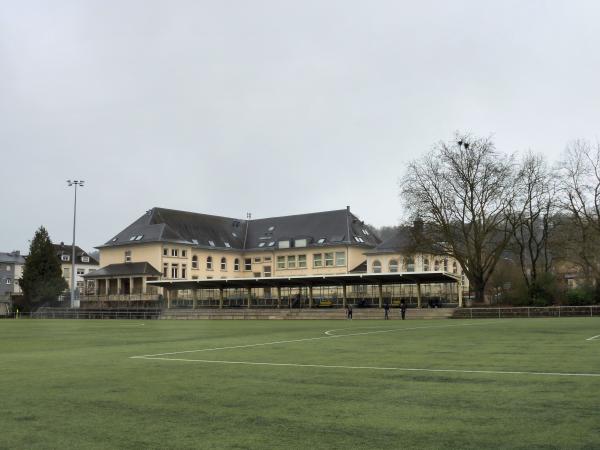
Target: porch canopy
{"points": [[310, 281]]}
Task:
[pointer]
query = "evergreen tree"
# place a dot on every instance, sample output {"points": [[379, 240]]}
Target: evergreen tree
{"points": [[42, 280]]}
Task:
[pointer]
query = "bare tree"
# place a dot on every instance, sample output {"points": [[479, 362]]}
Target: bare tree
{"points": [[464, 191], [532, 218], [580, 185]]}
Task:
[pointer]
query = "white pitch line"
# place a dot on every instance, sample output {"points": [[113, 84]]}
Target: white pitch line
{"points": [[311, 339], [402, 369], [592, 338]]}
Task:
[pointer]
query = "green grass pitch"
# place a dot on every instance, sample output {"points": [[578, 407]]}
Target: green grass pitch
{"points": [[74, 384]]}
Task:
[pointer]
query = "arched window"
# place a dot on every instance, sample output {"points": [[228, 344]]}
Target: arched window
{"points": [[223, 263], [194, 262], [410, 263], [436, 265], [393, 265], [425, 264], [445, 265], [209, 263], [454, 267], [377, 266], [236, 264]]}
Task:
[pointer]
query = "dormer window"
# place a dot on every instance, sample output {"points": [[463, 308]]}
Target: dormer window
{"points": [[271, 244], [283, 244], [321, 241], [85, 259], [261, 244], [65, 257], [271, 228], [211, 243], [227, 244], [114, 239], [300, 242], [365, 232]]}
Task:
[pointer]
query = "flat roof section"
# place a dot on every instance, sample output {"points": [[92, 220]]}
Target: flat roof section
{"points": [[313, 280]]}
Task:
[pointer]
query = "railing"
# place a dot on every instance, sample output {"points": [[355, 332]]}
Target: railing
{"points": [[527, 311], [65, 313]]}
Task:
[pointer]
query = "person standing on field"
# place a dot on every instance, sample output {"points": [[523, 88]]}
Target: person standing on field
{"points": [[403, 309], [386, 309], [349, 312]]}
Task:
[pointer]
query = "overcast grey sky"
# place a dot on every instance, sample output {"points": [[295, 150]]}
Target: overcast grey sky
{"points": [[273, 107]]}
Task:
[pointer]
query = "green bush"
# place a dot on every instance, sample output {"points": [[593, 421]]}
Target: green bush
{"points": [[581, 296]]}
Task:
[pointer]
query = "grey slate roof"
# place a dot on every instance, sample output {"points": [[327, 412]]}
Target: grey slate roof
{"points": [[171, 226], [62, 249], [405, 240], [12, 258], [124, 270]]}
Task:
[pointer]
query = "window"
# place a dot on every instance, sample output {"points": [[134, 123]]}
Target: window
{"points": [[281, 262], [393, 265], [165, 270], [132, 238], [236, 264], [271, 228], [256, 274], [184, 271], [233, 234], [8, 268], [66, 272], [301, 261], [165, 251], [267, 259], [174, 252], [365, 232], [454, 267], [261, 244], [301, 243], [291, 261], [65, 257], [174, 271], [283, 244], [195, 241], [127, 256], [410, 263], [436, 265], [184, 253], [321, 241], [227, 244], [194, 262], [257, 259], [139, 237], [376, 266], [317, 260], [425, 264], [271, 244], [247, 263], [223, 263], [209, 263], [85, 259], [8, 281], [266, 272], [445, 265], [328, 259], [80, 271], [211, 243], [340, 258]]}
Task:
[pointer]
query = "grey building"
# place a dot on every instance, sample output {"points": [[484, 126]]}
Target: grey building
{"points": [[11, 269]]}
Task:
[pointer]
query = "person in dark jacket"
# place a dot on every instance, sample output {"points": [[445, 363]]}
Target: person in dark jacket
{"points": [[403, 309], [386, 309], [349, 312]]}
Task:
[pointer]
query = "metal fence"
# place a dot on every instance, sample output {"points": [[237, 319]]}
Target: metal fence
{"points": [[523, 312], [65, 313]]}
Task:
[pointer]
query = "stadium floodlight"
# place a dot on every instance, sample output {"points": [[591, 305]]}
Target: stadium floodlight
{"points": [[74, 183]]}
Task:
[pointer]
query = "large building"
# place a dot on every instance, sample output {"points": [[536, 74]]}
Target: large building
{"points": [[177, 245], [174, 246]]}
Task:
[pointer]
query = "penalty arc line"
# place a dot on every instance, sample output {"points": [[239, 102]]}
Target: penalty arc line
{"points": [[399, 369], [592, 338], [309, 339]]}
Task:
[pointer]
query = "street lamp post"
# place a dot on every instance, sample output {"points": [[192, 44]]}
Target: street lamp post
{"points": [[74, 183]]}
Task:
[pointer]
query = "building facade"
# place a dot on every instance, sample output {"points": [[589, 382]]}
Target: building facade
{"points": [[84, 264], [11, 270], [179, 245]]}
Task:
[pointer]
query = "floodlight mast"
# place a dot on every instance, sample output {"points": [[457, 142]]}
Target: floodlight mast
{"points": [[74, 183]]}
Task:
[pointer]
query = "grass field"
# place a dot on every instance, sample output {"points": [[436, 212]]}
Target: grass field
{"points": [[74, 384]]}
